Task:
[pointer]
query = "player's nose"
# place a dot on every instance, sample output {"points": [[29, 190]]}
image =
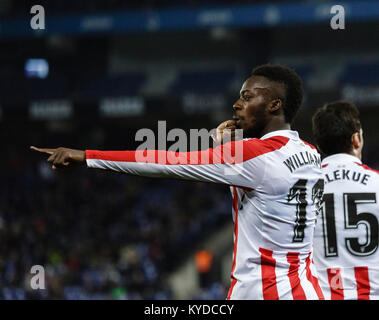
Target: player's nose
{"points": [[237, 105]]}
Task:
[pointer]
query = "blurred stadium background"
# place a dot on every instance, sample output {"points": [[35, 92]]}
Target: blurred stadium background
{"points": [[100, 71]]}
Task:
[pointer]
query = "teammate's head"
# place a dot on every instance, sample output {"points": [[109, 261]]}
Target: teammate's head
{"points": [[272, 92], [337, 129]]}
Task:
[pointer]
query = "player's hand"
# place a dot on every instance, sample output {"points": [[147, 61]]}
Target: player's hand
{"points": [[226, 131], [62, 157]]}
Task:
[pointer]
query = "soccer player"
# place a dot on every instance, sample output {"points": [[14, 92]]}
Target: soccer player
{"points": [[346, 236], [277, 185]]}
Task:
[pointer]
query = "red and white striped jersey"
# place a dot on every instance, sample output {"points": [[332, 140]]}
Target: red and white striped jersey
{"points": [[346, 235], [277, 186]]}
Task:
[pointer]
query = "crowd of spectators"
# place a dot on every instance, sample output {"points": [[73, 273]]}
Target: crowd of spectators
{"points": [[99, 235]]}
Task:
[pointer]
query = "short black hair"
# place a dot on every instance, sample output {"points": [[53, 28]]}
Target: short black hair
{"points": [[333, 125], [292, 84]]}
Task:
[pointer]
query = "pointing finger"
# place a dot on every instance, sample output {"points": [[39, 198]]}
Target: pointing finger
{"points": [[44, 150]]}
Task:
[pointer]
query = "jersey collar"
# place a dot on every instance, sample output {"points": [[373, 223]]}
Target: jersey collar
{"points": [[285, 133], [341, 157]]}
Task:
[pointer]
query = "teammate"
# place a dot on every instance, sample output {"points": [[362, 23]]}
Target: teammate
{"points": [[346, 236], [277, 186]]}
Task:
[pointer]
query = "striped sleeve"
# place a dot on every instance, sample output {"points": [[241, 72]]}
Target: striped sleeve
{"points": [[234, 163]]}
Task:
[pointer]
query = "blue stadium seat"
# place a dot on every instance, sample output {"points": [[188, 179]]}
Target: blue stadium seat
{"points": [[19, 89], [305, 71], [49, 88], [112, 86], [361, 74], [12, 89], [203, 82]]}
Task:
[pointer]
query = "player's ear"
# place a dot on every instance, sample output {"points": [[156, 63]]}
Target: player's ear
{"points": [[355, 140], [275, 106]]}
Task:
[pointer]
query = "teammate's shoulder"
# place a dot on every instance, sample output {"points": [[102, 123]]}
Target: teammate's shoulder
{"points": [[366, 167]]}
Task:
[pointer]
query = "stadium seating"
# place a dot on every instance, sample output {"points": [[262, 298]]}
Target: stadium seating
{"points": [[213, 81], [49, 88], [360, 74], [99, 235], [111, 86]]}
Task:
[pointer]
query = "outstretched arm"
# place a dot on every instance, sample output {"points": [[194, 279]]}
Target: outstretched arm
{"points": [[225, 164], [64, 157]]}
